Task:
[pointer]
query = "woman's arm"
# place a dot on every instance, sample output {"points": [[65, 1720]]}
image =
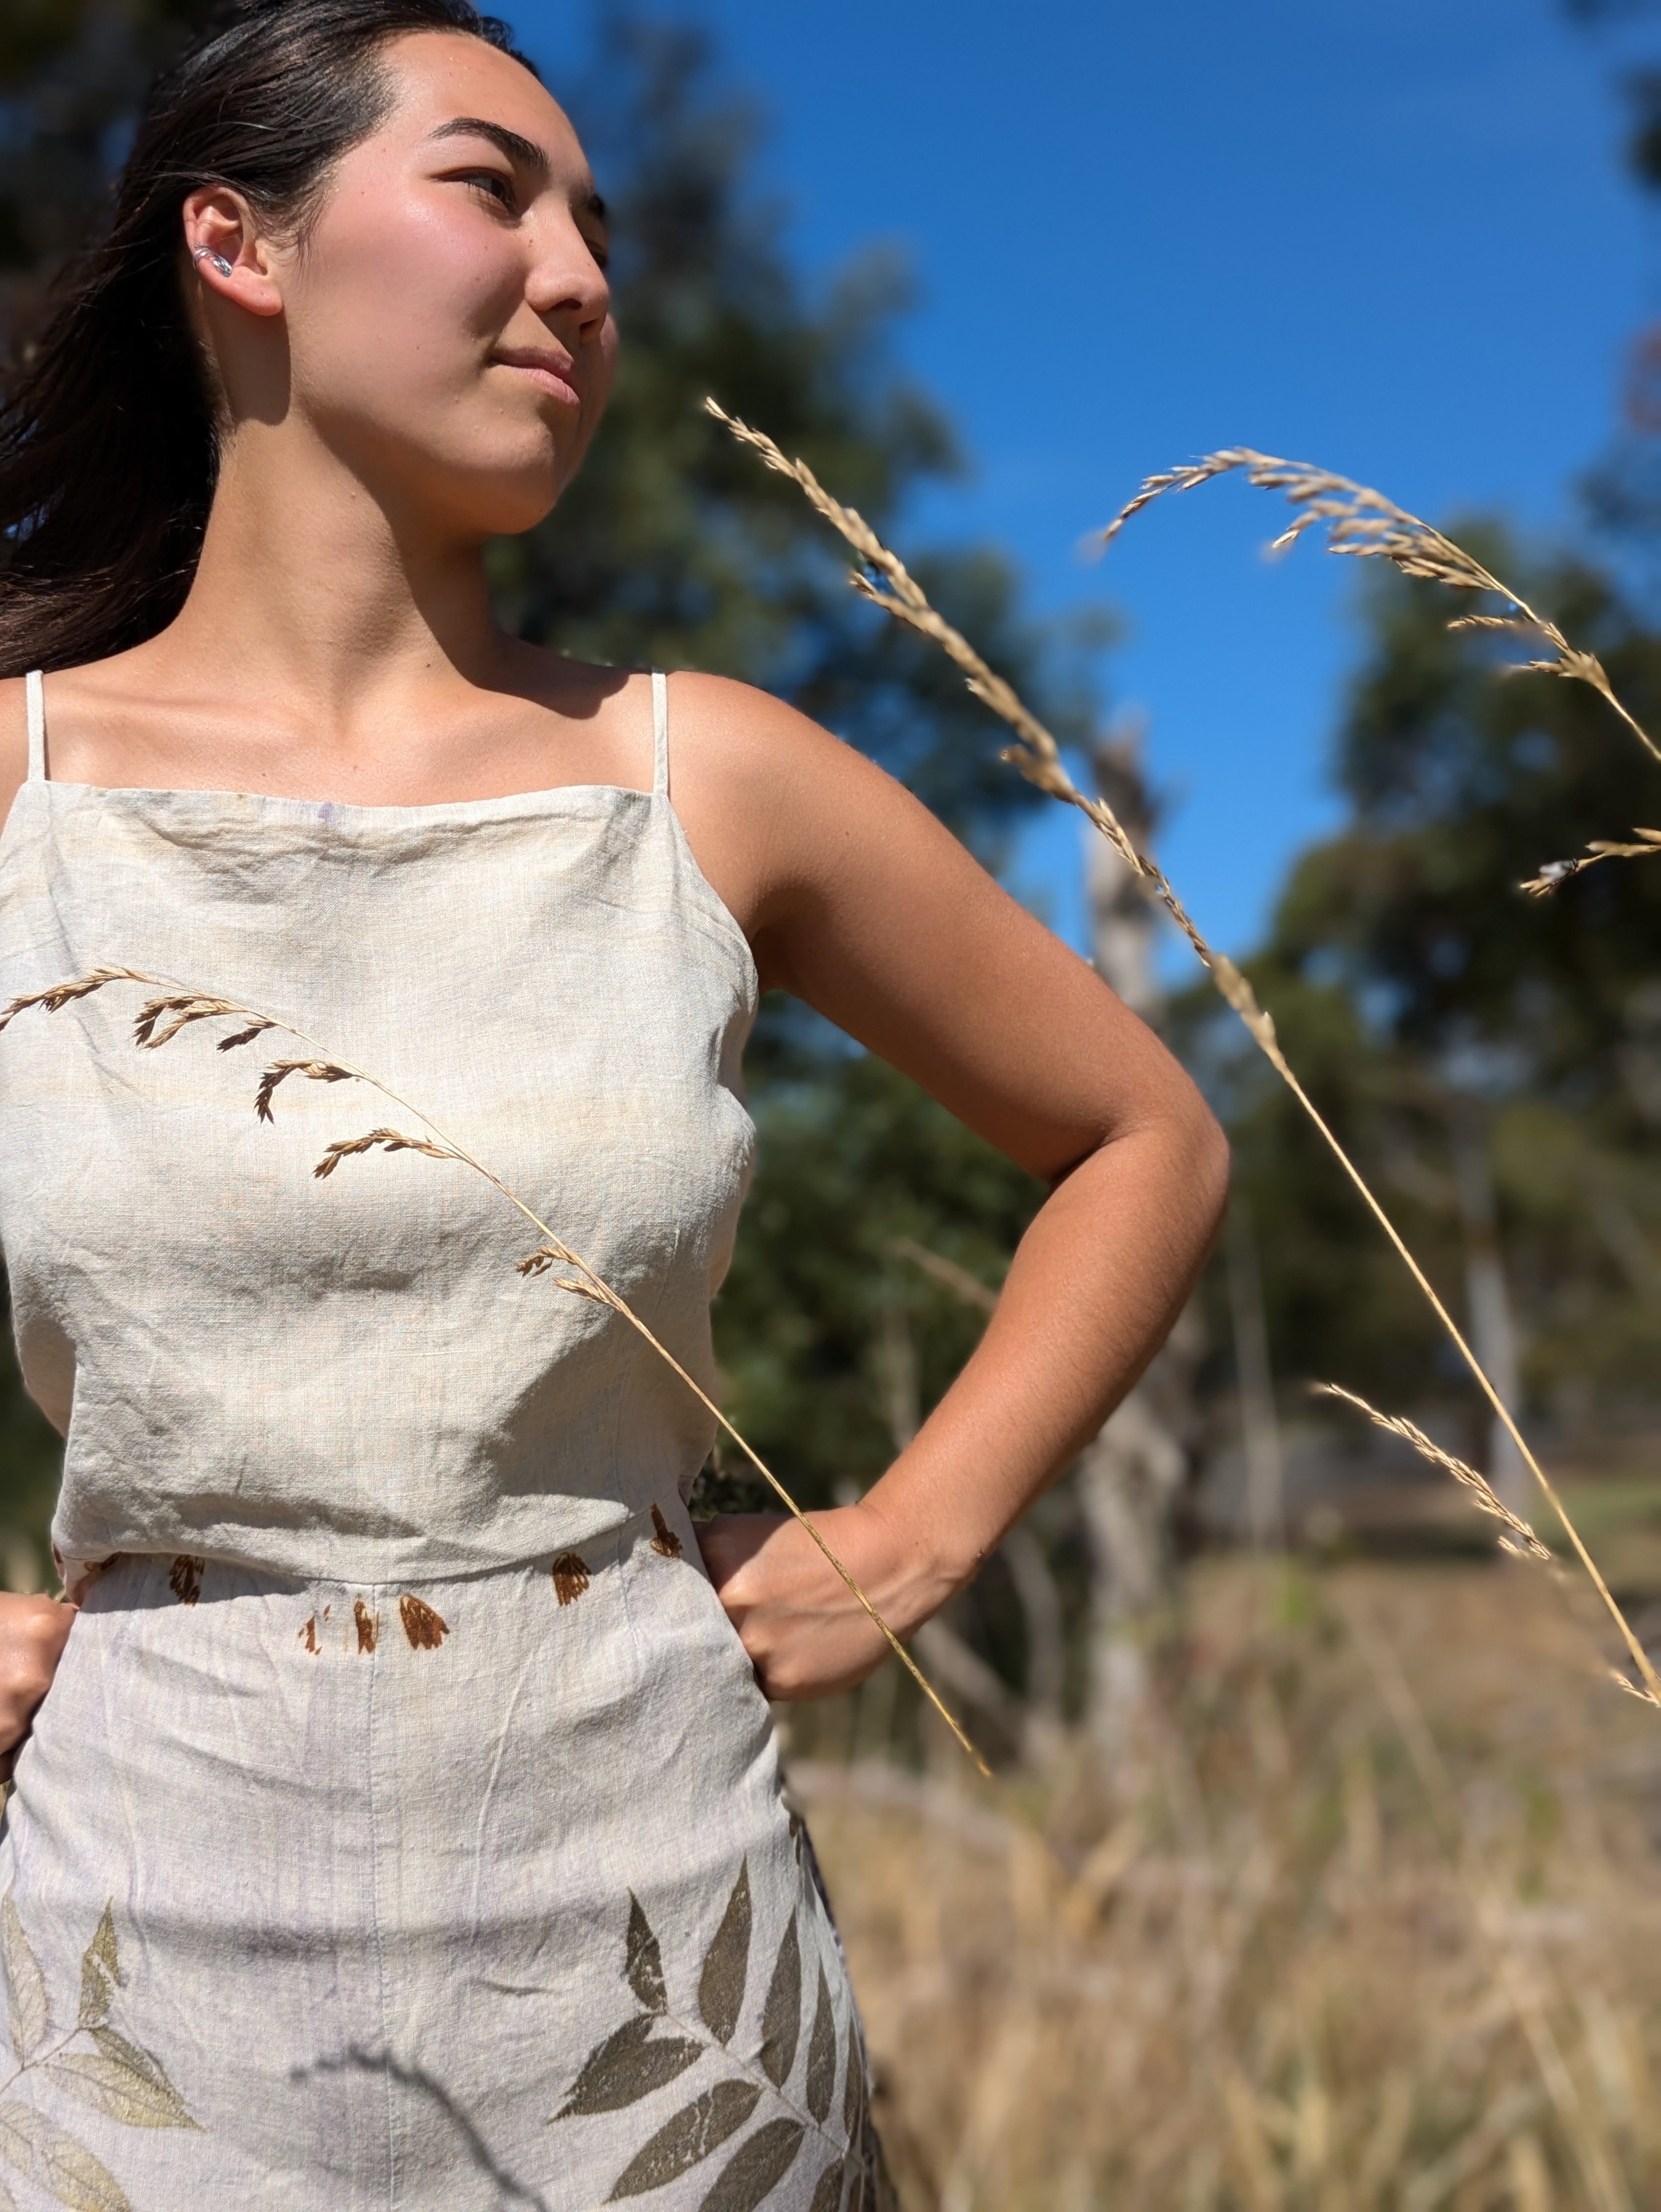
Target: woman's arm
{"points": [[857, 901]]}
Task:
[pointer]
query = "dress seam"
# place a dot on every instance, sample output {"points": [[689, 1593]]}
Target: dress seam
{"points": [[381, 1939]]}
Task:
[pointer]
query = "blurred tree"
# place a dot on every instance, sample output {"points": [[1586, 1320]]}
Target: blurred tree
{"points": [[1428, 1004], [674, 548]]}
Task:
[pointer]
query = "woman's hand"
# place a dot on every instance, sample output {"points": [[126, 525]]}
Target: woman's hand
{"points": [[806, 1634], [32, 1634]]}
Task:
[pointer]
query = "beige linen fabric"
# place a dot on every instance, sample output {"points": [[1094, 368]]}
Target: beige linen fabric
{"points": [[405, 1828]]}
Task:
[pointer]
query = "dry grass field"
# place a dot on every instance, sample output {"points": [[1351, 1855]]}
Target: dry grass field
{"points": [[1368, 1917]]}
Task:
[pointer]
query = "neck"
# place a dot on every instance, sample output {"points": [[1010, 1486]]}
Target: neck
{"points": [[313, 591]]}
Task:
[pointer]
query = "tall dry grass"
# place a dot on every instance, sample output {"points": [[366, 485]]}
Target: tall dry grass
{"points": [[1368, 1921], [1359, 522]]}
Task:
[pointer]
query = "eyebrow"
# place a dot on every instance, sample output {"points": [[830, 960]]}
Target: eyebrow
{"points": [[524, 151]]}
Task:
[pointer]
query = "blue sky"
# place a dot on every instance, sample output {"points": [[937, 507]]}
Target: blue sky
{"points": [[1393, 236]]}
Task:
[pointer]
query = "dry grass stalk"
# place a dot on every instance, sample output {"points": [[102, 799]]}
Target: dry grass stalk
{"points": [[1364, 525], [947, 1273], [323, 1067], [1481, 1490], [1603, 2182], [1037, 757], [1601, 848], [1277, 1997], [387, 1140]]}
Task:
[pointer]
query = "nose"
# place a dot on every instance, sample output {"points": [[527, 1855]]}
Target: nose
{"points": [[568, 286]]}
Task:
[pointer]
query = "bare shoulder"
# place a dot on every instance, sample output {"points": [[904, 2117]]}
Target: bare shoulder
{"points": [[14, 740], [748, 770], [735, 730]]}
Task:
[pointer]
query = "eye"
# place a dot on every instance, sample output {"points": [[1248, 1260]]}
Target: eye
{"points": [[494, 184]]}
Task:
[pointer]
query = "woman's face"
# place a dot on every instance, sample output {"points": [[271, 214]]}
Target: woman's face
{"points": [[447, 317]]}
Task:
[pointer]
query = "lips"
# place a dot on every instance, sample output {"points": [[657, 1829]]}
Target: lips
{"points": [[548, 371]]}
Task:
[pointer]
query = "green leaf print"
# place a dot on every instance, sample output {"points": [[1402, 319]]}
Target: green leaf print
{"points": [[780, 2023], [627, 2067], [644, 1968], [756, 2168], [689, 2136], [26, 1985], [119, 2090], [49, 2156], [822, 2054], [828, 2196], [100, 1973], [726, 1966]]}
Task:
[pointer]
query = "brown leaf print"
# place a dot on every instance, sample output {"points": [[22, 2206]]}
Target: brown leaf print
{"points": [[693, 2133], [822, 2054], [570, 1577], [727, 1964], [665, 1542], [100, 1973], [828, 2196], [626, 2066], [368, 1624], [425, 1628], [643, 1961], [185, 1580], [50, 2156], [854, 2085], [781, 2021], [756, 2168], [307, 1636]]}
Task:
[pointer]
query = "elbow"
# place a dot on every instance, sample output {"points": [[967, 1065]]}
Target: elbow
{"points": [[1203, 1164]]}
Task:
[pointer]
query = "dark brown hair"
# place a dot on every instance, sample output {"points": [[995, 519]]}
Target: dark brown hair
{"points": [[108, 451]]}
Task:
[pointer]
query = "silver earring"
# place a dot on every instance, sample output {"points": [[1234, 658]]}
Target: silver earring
{"points": [[205, 254]]}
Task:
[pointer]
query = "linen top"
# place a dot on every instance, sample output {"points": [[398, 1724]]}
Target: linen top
{"points": [[348, 1377]]}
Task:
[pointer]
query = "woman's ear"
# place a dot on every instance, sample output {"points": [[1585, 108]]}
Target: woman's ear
{"points": [[229, 253]]}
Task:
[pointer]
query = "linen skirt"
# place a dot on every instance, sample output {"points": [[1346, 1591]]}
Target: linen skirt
{"points": [[460, 1893]]}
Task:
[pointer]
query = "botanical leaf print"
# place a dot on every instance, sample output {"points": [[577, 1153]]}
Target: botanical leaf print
{"points": [[666, 1542], [822, 2054], [26, 1985], [571, 1574], [828, 2196], [854, 2083], [627, 2067], [780, 2023], [119, 2090], [47, 2155], [117, 2048], [726, 1966], [755, 2167], [644, 1969], [100, 1973], [425, 1628], [185, 1579], [691, 2135]]}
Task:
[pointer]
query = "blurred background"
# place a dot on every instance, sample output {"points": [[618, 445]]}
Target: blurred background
{"points": [[1320, 1865]]}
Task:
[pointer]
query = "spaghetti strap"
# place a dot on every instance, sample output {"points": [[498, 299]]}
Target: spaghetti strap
{"points": [[660, 734], [35, 692]]}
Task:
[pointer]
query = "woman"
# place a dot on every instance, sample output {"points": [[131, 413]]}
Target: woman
{"points": [[403, 1826]]}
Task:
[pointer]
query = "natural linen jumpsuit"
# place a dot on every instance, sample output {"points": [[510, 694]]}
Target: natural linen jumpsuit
{"points": [[404, 1827]]}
